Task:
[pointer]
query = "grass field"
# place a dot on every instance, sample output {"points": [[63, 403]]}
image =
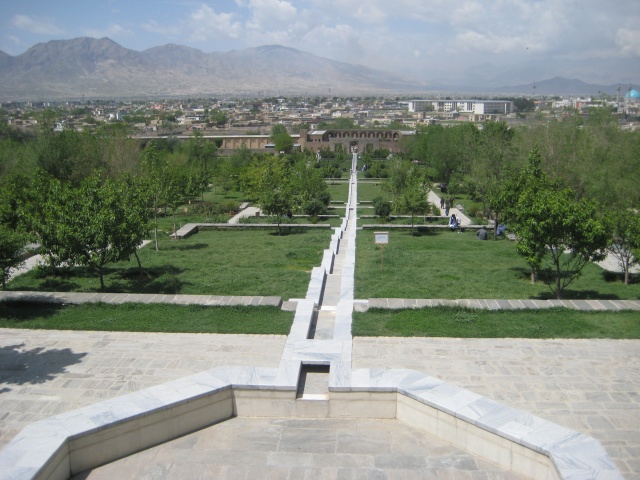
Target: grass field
{"points": [[213, 262], [135, 317], [438, 264], [339, 190], [443, 264], [466, 323], [368, 190]]}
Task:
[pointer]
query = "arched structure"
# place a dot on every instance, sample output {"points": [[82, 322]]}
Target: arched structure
{"points": [[352, 140]]}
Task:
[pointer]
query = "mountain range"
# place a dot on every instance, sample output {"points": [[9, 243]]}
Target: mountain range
{"points": [[101, 68]]}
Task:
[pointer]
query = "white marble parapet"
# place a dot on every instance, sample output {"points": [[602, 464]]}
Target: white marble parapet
{"points": [[328, 258], [316, 285]]}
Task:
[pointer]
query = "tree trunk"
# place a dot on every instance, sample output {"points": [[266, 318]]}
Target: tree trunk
{"points": [[175, 233], [139, 265], [495, 227], [533, 276], [101, 279], [155, 226], [558, 289]]}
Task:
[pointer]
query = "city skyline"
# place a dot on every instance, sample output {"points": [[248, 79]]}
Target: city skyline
{"points": [[440, 40]]}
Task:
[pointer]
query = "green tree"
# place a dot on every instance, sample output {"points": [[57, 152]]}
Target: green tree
{"points": [[45, 216], [68, 155], [156, 179], [101, 228], [381, 208], [281, 138], [268, 180], [218, 118], [495, 157], [413, 198], [625, 244], [408, 187], [554, 227], [306, 184], [12, 244]]}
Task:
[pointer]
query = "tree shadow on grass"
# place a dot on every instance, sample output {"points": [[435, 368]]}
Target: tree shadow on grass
{"points": [[30, 307], [614, 277], [53, 284], [19, 366], [545, 278], [588, 295], [187, 246], [161, 280], [422, 232], [286, 231]]}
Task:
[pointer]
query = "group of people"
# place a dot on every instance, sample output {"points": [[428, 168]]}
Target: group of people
{"points": [[446, 205], [454, 221]]}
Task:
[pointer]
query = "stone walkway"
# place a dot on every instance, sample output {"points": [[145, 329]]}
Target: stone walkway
{"points": [[591, 386]]}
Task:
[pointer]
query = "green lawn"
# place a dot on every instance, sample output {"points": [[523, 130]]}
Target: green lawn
{"points": [[368, 190], [322, 219], [443, 264], [466, 323], [400, 220], [339, 190], [212, 262], [136, 317]]}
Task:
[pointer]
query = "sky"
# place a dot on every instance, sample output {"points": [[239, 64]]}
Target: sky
{"points": [[433, 40]]}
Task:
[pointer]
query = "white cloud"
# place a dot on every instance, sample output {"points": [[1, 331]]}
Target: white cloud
{"points": [[41, 26], [628, 41], [270, 14], [370, 14], [205, 23], [202, 24], [113, 30]]}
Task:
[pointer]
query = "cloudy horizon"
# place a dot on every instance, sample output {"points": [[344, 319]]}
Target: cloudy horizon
{"points": [[436, 40]]}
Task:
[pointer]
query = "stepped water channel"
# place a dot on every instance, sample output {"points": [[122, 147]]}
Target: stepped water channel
{"points": [[313, 416]]}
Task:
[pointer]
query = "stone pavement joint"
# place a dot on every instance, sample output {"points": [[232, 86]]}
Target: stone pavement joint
{"points": [[76, 298], [492, 304]]}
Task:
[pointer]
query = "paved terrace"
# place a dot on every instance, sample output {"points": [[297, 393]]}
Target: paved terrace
{"points": [[589, 386]]}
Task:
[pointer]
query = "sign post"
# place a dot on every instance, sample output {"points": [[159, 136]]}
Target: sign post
{"points": [[381, 238]]}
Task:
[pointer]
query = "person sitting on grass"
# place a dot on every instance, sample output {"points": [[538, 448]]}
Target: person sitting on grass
{"points": [[453, 222], [482, 234]]}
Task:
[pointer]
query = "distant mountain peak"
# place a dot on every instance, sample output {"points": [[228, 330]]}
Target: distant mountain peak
{"points": [[103, 68]]}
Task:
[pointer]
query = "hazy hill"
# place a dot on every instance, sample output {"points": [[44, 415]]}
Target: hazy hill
{"points": [[102, 68]]}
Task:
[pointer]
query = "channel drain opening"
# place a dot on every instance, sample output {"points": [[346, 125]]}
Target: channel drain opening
{"points": [[313, 383]]}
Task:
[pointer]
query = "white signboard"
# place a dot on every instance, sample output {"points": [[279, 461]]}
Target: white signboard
{"points": [[380, 238]]}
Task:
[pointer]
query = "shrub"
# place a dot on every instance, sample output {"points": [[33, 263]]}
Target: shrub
{"points": [[325, 198], [381, 207], [314, 207], [228, 206]]}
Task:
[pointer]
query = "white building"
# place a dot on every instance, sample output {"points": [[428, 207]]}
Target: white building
{"points": [[478, 107]]}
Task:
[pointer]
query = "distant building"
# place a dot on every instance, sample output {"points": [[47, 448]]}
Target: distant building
{"points": [[477, 107], [356, 140]]}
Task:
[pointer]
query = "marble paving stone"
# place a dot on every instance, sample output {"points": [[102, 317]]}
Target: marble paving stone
{"points": [[305, 449]]}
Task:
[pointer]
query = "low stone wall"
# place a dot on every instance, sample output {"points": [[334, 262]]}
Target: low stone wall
{"points": [[70, 443]]}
